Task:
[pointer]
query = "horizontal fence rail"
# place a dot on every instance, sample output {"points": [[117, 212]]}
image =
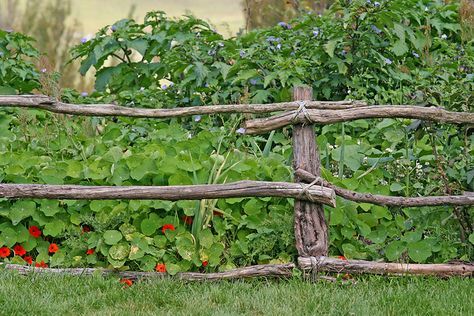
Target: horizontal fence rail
{"points": [[48, 104], [316, 116], [466, 199], [327, 264], [312, 193]]}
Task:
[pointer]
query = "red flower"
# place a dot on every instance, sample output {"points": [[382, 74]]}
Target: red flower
{"points": [[53, 248], [41, 264], [205, 263], [127, 282], [166, 227], [35, 231], [4, 252], [188, 220], [19, 250], [342, 257], [160, 267], [86, 229], [28, 259], [90, 251]]}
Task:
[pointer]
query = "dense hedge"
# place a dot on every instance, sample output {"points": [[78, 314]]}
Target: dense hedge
{"points": [[387, 52]]}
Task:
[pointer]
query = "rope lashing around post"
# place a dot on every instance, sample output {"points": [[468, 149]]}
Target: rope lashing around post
{"points": [[302, 109], [305, 189]]}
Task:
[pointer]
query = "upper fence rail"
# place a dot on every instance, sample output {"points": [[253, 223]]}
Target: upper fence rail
{"points": [[296, 112]]}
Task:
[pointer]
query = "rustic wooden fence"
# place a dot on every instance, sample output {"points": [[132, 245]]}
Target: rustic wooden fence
{"points": [[309, 189]]}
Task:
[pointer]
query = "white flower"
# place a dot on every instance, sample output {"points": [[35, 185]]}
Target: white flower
{"points": [[444, 36]]}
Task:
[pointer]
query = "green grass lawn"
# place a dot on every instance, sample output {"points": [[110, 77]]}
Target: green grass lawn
{"points": [[66, 295]]}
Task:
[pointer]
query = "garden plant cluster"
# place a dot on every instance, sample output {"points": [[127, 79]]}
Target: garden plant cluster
{"points": [[386, 52]]}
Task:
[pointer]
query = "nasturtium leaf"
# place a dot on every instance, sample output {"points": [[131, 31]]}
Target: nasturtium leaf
{"points": [[54, 228], [253, 207], [419, 251], [185, 247], [206, 238], [50, 207], [115, 263], [135, 252], [394, 250], [148, 227], [172, 268], [112, 237], [21, 210], [119, 251], [9, 237], [74, 169], [329, 47]]}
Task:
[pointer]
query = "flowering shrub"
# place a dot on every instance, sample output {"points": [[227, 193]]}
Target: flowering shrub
{"points": [[387, 52]]}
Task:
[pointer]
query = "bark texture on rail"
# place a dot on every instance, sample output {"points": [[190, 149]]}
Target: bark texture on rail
{"points": [[170, 193], [360, 266], [269, 270], [311, 231], [46, 103], [322, 116], [466, 199]]}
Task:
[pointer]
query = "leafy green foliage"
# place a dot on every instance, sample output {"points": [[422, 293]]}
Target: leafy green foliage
{"points": [[392, 53], [17, 71]]}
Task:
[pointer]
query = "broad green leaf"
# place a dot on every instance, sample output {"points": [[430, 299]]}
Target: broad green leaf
{"points": [[112, 237], [419, 251]]}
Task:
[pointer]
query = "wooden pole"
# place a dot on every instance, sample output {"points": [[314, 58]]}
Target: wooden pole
{"points": [[326, 264], [311, 231]]}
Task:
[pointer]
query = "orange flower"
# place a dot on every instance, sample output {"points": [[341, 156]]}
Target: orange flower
{"points": [[127, 282], [41, 264], [53, 248], [205, 263], [34, 231], [86, 229], [28, 259], [160, 267], [19, 250], [4, 252], [342, 257], [166, 227], [90, 251]]}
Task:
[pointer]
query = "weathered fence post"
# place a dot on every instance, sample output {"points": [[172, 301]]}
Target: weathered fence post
{"points": [[311, 231]]}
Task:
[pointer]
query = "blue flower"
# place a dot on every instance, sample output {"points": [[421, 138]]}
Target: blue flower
{"points": [[164, 86], [272, 39], [415, 54], [284, 25], [375, 29], [240, 131], [221, 44], [84, 94], [253, 82], [388, 61], [316, 32], [197, 118], [113, 28], [242, 53], [376, 4], [343, 52], [278, 46], [84, 40]]}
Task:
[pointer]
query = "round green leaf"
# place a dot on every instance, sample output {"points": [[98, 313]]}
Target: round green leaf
{"points": [[148, 227], [419, 251], [119, 251], [112, 237]]}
